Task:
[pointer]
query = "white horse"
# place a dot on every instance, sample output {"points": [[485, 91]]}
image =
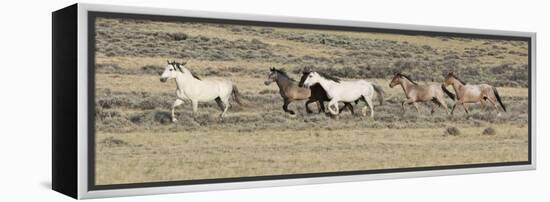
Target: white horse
{"points": [[191, 87], [345, 91]]}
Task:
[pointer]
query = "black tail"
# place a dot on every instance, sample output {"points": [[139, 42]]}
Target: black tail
{"points": [[236, 95], [498, 98], [380, 92], [451, 95]]}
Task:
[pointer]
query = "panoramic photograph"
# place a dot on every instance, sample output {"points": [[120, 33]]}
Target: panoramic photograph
{"points": [[184, 100]]}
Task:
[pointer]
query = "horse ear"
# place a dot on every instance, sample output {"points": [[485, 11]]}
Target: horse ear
{"points": [[168, 61]]}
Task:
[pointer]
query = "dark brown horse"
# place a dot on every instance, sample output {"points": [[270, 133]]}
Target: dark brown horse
{"points": [[290, 91]]}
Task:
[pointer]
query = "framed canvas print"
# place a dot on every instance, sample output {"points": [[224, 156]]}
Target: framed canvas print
{"points": [[150, 101]]}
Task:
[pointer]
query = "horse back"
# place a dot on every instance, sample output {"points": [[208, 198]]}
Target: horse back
{"points": [[222, 86], [425, 92], [486, 89]]}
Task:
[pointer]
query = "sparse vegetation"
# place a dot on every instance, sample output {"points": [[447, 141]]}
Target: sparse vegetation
{"points": [[452, 131], [489, 131]]}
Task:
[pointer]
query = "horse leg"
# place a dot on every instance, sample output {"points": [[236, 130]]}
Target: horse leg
{"points": [[493, 103], [341, 109], [178, 102], [350, 107], [307, 108], [195, 104], [371, 107], [465, 108], [347, 105], [416, 107], [331, 105], [225, 103], [443, 104], [435, 103], [285, 107], [454, 106], [482, 103], [220, 103], [407, 101], [321, 106]]}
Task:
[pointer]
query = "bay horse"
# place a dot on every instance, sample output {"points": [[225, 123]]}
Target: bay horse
{"points": [[191, 87], [467, 93], [345, 91], [420, 93], [290, 91]]}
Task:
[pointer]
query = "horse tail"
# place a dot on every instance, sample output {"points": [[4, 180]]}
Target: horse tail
{"points": [[451, 95], [236, 95], [380, 93], [498, 98]]}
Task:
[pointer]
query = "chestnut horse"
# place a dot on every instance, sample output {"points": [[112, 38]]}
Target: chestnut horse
{"points": [[420, 93], [466, 93]]}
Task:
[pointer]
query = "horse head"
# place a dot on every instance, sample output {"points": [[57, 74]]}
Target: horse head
{"points": [[170, 71], [311, 79], [271, 76], [450, 79], [396, 79]]}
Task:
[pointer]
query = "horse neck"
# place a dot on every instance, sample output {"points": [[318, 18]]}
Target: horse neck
{"points": [[326, 84], [406, 84], [283, 82], [457, 85], [182, 80]]}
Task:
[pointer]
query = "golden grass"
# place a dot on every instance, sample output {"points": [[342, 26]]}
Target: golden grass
{"points": [[166, 156]]}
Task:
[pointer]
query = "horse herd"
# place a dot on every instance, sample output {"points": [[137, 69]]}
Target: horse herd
{"points": [[318, 87]]}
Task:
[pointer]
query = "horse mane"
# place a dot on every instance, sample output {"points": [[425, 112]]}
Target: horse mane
{"points": [[459, 80], [329, 77], [195, 76], [192, 74], [408, 78], [282, 72]]}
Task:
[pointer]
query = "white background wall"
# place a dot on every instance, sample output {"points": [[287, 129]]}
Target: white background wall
{"points": [[25, 87]]}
